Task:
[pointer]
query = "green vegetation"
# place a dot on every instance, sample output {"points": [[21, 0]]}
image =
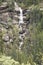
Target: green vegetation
{"points": [[32, 49]]}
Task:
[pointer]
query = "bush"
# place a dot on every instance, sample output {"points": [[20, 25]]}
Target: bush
{"points": [[5, 60]]}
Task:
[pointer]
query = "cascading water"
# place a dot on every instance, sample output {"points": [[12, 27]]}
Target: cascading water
{"points": [[17, 8], [21, 22], [21, 16]]}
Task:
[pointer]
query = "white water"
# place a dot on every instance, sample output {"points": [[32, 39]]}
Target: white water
{"points": [[21, 43], [20, 22], [21, 16]]}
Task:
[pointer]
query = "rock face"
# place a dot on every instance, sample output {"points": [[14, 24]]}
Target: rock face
{"points": [[8, 20]]}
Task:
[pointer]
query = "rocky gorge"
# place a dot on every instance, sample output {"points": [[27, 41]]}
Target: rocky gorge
{"points": [[21, 32], [9, 19]]}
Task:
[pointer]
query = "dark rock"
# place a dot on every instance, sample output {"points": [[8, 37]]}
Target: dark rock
{"points": [[3, 6]]}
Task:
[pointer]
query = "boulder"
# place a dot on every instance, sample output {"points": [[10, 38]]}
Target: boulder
{"points": [[5, 37]]}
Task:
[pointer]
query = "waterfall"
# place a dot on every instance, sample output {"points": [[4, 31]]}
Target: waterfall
{"points": [[17, 8], [21, 22], [21, 43], [21, 16]]}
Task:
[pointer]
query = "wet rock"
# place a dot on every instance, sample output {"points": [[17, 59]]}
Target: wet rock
{"points": [[7, 43], [11, 40], [21, 32], [17, 12], [5, 37], [24, 11], [21, 38], [11, 15]]}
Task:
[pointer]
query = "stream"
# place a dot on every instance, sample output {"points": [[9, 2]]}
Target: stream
{"points": [[21, 22]]}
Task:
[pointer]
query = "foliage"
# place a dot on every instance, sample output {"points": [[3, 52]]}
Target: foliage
{"points": [[5, 60], [32, 49]]}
